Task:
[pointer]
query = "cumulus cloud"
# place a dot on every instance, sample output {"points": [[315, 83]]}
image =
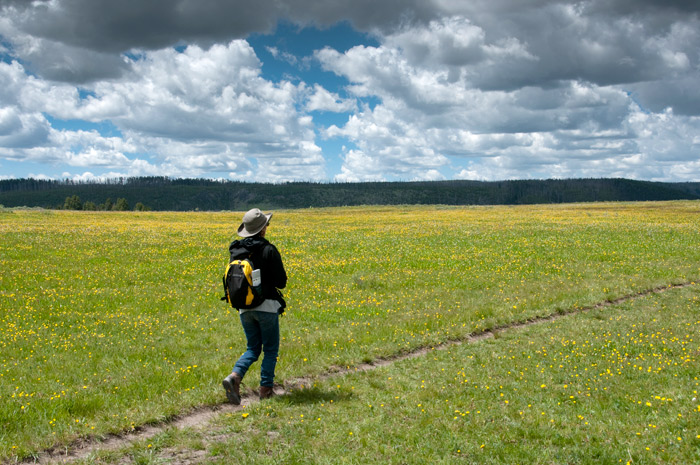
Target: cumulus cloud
{"points": [[196, 111], [82, 31], [485, 89], [20, 130], [358, 167], [323, 100], [57, 60], [463, 97]]}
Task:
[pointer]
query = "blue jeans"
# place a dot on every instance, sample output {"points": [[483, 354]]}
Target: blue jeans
{"points": [[262, 331]]}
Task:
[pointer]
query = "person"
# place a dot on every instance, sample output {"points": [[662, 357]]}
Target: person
{"points": [[260, 324]]}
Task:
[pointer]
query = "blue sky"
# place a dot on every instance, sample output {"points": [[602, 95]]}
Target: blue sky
{"points": [[300, 43], [350, 91]]}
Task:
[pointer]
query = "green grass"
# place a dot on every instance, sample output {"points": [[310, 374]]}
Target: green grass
{"points": [[111, 321], [608, 386], [613, 385]]}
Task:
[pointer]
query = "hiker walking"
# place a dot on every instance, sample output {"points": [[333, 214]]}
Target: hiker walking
{"points": [[261, 323]]}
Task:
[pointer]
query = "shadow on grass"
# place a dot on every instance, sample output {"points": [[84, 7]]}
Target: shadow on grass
{"points": [[315, 395]]}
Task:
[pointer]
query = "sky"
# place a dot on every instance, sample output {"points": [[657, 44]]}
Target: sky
{"points": [[350, 91]]}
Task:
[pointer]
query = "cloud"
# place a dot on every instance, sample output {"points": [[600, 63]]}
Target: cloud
{"points": [[359, 167], [323, 100], [485, 89], [115, 27], [82, 40], [657, 147], [194, 112], [451, 90], [56, 60], [20, 131], [601, 42]]}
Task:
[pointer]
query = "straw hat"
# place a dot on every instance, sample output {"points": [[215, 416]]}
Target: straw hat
{"points": [[253, 222]]}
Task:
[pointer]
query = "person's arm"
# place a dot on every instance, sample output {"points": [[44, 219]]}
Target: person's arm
{"points": [[276, 274]]}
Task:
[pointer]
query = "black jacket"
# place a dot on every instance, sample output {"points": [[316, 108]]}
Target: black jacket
{"points": [[267, 259]]}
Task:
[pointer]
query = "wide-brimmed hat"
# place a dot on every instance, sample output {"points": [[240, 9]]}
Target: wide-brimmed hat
{"points": [[253, 222]]}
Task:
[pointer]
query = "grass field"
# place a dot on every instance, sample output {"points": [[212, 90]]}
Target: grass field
{"points": [[617, 385], [113, 320]]}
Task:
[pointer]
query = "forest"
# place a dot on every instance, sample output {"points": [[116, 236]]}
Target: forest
{"points": [[174, 194]]}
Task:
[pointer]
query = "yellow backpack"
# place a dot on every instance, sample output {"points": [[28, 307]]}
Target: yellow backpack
{"points": [[241, 285]]}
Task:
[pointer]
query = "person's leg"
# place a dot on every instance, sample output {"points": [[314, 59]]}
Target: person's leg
{"points": [[232, 383], [253, 334], [270, 334]]}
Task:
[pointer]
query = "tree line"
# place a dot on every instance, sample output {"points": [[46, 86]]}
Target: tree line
{"points": [[73, 202], [163, 193]]}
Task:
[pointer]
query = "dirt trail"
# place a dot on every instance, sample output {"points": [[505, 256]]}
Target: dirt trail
{"points": [[201, 417]]}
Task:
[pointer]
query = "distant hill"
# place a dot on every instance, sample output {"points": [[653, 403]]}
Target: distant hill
{"points": [[162, 193]]}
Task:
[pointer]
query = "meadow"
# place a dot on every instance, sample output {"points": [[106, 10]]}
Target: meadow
{"points": [[112, 320]]}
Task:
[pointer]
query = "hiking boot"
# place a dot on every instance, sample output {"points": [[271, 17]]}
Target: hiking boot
{"points": [[232, 386], [266, 392]]}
